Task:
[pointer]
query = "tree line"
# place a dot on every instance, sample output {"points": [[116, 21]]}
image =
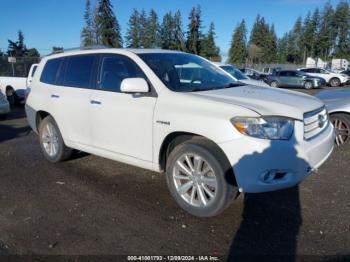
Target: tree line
{"points": [[324, 34], [144, 30]]}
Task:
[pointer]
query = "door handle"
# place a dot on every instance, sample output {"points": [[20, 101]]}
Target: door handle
{"points": [[55, 96], [95, 102]]}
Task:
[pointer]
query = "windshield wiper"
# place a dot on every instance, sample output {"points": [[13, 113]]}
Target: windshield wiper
{"points": [[216, 88]]}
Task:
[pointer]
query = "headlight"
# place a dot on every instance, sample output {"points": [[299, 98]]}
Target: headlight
{"points": [[276, 128]]}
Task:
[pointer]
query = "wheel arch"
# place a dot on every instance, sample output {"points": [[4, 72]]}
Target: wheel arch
{"points": [[339, 112], [40, 115], [176, 138]]}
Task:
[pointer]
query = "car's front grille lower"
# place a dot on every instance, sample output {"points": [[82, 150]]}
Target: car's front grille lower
{"points": [[315, 122]]}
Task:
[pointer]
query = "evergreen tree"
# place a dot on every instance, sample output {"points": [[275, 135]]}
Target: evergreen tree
{"points": [[166, 33], [271, 53], [178, 34], [262, 37], [326, 36], [282, 49], [107, 25], [309, 35], [152, 31], [194, 35], [208, 47], [294, 44], [87, 34], [32, 52], [18, 48], [342, 29], [132, 38], [143, 28], [238, 50], [316, 20]]}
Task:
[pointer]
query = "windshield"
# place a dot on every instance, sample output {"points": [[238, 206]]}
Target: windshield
{"points": [[234, 72], [182, 72]]}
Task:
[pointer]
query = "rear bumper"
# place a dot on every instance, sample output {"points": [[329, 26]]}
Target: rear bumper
{"points": [[267, 165]]}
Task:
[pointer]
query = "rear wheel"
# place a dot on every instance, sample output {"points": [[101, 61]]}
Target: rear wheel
{"points": [[274, 84], [341, 123], [334, 82], [197, 179], [308, 85], [51, 141]]}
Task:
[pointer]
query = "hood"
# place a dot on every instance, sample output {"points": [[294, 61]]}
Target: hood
{"points": [[254, 82], [266, 101]]}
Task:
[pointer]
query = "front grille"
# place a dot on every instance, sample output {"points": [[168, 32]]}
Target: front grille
{"points": [[315, 122]]}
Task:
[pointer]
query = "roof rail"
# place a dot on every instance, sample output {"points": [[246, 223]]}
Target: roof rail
{"points": [[92, 47]]}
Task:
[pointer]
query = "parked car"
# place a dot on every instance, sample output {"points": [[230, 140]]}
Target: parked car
{"points": [[346, 72], [294, 78], [239, 76], [338, 106], [4, 106], [254, 74], [333, 79], [212, 136], [14, 88]]}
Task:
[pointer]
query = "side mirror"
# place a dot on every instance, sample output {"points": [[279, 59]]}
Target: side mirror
{"points": [[134, 85]]}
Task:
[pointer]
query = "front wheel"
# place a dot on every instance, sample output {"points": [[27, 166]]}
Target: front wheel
{"points": [[197, 179], [308, 85], [334, 82], [341, 123], [51, 141]]}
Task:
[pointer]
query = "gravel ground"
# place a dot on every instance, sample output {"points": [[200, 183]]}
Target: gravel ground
{"points": [[93, 206]]}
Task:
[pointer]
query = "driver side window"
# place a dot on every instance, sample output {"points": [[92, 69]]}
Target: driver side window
{"points": [[114, 69]]}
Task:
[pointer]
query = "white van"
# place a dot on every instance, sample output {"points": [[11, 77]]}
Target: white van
{"points": [[211, 136]]}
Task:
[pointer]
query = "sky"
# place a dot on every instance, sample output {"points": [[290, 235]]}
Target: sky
{"points": [[48, 23]]}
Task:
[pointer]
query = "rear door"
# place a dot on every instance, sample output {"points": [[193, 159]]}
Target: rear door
{"points": [[70, 99], [121, 123], [294, 79]]}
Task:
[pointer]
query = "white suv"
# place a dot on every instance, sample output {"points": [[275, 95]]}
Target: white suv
{"points": [[333, 79], [178, 113]]}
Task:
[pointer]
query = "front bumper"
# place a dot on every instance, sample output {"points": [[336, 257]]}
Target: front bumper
{"points": [[263, 165], [4, 107]]}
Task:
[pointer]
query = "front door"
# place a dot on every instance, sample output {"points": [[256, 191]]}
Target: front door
{"points": [[121, 123]]}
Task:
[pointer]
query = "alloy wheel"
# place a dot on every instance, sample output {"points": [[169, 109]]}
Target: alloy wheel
{"points": [[49, 139], [342, 131], [195, 180]]}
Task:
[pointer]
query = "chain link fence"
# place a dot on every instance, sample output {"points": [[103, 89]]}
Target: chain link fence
{"points": [[18, 69]]}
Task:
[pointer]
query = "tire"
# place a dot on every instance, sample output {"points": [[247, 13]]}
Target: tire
{"points": [[308, 85], [274, 84], [218, 181], [334, 82], [50, 137], [341, 123], [11, 95]]}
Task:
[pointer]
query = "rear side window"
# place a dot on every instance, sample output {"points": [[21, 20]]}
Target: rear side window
{"points": [[283, 73], [114, 69], [79, 70], [49, 73], [33, 71]]}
